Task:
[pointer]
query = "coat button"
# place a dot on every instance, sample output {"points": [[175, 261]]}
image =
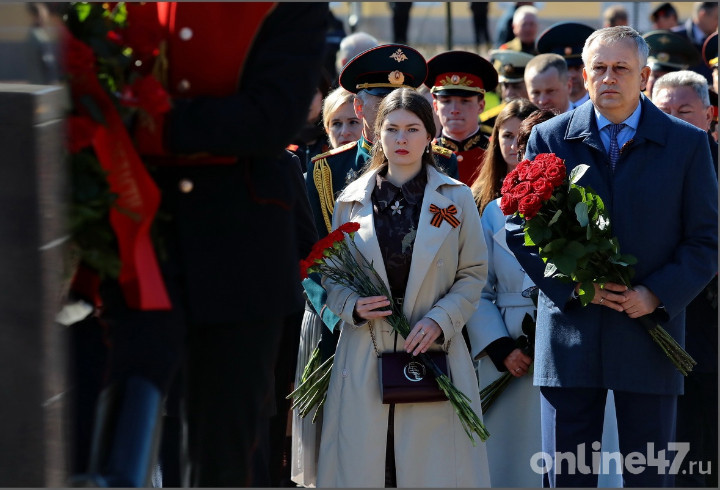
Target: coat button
{"points": [[186, 33], [186, 186], [345, 373], [183, 85]]}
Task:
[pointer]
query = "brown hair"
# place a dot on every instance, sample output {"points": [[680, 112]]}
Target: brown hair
{"points": [[410, 100], [540, 115], [487, 185]]}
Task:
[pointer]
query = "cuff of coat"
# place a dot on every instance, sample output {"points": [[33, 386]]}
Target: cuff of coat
{"points": [[443, 318], [348, 309], [498, 350]]}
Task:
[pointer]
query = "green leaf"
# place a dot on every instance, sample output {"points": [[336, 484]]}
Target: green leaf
{"points": [[565, 263], [575, 195], [578, 172], [528, 241], [83, 10], [555, 217], [536, 234], [549, 269], [555, 245], [581, 213], [586, 293], [628, 259], [575, 250]]}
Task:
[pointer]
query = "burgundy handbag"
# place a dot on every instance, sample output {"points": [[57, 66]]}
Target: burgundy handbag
{"points": [[405, 379]]}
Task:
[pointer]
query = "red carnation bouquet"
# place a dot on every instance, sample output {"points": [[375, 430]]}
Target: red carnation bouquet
{"points": [[333, 257], [569, 225]]}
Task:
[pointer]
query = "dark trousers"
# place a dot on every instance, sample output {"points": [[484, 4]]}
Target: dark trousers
{"points": [[229, 385], [280, 442], [479, 13], [697, 424], [400, 21], [230, 400], [574, 416]]}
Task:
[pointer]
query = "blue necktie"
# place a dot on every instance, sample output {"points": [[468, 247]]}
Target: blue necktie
{"points": [[614, 148]]}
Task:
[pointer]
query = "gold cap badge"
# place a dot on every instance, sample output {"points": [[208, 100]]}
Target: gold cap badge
{"points": [[396, 77], [399, 56]]}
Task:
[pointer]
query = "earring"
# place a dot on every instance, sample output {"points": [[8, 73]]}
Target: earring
{"points": [[427, 150]]}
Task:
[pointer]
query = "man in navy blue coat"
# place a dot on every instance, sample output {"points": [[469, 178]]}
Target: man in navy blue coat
{"points": [[660, 192]]}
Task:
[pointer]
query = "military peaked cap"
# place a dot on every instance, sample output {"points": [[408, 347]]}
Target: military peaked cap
{"points": [[382, 69], [670, 51], [509, 64], [460, 73], [566, 39]]}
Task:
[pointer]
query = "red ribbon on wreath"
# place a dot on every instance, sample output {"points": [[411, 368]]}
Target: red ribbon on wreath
{"points": [[138, 196]]}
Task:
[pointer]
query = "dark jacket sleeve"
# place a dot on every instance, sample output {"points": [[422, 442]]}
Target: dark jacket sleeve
{"points": [[304, 223], [279, 79]]}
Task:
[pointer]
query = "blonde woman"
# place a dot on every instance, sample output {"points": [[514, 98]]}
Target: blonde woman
{"points": [[341, 124]]}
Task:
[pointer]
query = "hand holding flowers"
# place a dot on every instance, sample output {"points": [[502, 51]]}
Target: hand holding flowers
{"points": [[571, 229], [334, 258]]}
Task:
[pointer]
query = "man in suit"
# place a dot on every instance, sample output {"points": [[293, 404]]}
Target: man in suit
{"points": [[661, 199], [548, 82], [567, 39], [701, 25], [234, 223]]}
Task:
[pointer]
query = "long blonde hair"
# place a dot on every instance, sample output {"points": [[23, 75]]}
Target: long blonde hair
{"points": [[410, 100], [486, 187]]}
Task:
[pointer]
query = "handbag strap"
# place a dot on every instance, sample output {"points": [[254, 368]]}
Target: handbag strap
{"points": [[372, 335]]}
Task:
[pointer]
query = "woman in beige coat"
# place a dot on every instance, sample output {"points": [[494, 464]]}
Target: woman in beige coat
{"points": [[439, 271]]}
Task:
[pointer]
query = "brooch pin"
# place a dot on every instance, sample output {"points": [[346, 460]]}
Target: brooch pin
{"points": [[396, 208], [447, 214]]}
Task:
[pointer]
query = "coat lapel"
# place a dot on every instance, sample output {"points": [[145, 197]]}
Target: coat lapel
{"points": [[429, 238], [365, 238], [583, 126]]}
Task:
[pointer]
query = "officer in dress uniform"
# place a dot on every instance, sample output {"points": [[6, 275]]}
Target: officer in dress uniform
{"points": [[458, 81], [668, 52], [510, 66], [233, 207], [567, 39]]}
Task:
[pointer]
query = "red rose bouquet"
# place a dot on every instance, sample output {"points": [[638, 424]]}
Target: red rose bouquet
{"points": [[333, 257], [571, 229]]}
